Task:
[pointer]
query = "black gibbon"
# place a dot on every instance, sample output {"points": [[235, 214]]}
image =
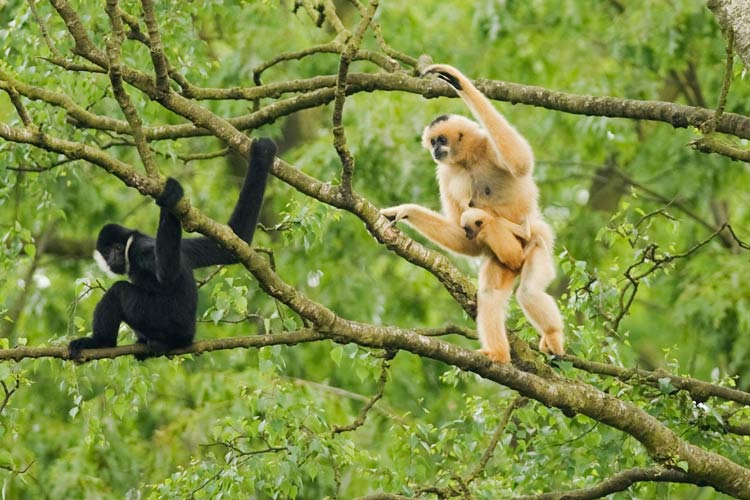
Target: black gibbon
{"points": [[488, 165], [159, 302]]}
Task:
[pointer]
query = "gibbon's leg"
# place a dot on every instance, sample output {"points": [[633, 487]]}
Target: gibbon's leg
{"points": [[538, 306], [107, 318], [495, 288], [434, 226], [512, 149]]}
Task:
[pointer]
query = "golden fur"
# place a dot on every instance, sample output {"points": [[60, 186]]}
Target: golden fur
{"points": [[488, 166], [499, 236]]}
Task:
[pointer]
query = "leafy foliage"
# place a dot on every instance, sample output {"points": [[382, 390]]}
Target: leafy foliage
{"points": [[645, 281]]}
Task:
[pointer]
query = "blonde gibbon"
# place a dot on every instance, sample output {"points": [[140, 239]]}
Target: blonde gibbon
{"points": [[499, 236], [488, 166]]}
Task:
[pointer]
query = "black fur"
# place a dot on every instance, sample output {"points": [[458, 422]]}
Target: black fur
{"points": [[439, 119], [160, 300], [451, 80]]}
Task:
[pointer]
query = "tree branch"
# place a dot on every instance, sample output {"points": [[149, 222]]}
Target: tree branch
{"points": [[499, 431], [619, 482], [245, 342], [114, 44], [360, 420], [698, 389], [734, 18], [339, 135]]}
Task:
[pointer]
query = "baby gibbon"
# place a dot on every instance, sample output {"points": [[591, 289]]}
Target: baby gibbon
{"points": [[498, 235], [488, 166]]}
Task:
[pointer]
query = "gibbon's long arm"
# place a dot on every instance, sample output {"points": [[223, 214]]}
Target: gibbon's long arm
{"points": [[169, 234], [168, 239], [512, 150], [203, 251], [434, 226]]}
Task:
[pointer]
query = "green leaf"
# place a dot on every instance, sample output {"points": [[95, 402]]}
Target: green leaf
{"points": [[665, 386], [337, 353]]}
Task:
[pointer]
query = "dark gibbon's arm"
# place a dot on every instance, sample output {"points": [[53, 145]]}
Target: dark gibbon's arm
{"points": [[169, 234], [203, 251]]}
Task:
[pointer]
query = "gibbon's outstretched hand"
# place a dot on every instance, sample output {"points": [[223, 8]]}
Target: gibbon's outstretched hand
{"points": [[488, 166], [160, 300]]}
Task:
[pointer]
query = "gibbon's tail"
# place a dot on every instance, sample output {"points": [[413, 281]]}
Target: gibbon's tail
{"points": [[204, 252]]}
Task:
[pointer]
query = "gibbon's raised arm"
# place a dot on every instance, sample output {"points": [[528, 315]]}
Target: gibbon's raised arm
{"points": [[169, 234], [511, 148], [160, 298], [205, 252]]}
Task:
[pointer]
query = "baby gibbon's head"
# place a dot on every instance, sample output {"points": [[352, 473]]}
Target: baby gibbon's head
{"points": [[452, 138], [473, 220]]}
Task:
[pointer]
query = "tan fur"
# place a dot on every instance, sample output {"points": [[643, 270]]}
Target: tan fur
{"points": [[498, 235], [488, 166]]}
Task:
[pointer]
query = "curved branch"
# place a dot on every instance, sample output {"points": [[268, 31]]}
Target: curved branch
{"points": [[698, 389], [619, 482]]}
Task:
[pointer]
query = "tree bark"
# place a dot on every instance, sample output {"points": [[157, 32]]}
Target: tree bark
{"points": [[734, 16]]}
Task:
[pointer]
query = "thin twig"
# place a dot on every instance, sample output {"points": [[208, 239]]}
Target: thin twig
{"points": [[618, 482], [517, 403], [8, 393], [43, 29], [161, 67], [339, 135], [360, 421], [114, 45]]}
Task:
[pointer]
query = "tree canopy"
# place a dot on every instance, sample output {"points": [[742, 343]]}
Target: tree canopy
{"points": [[339, 360]]}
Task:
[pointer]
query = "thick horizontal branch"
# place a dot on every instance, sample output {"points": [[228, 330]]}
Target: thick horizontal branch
{"points": [[619, 482], [677, 115], [318, 91], [286, 338], [245, 342]]}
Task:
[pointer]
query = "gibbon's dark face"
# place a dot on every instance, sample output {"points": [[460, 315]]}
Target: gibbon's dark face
{"points": [[436, 138], [440, 148], [472, 230], [472, 221], [453, 139], [111, 247]]}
